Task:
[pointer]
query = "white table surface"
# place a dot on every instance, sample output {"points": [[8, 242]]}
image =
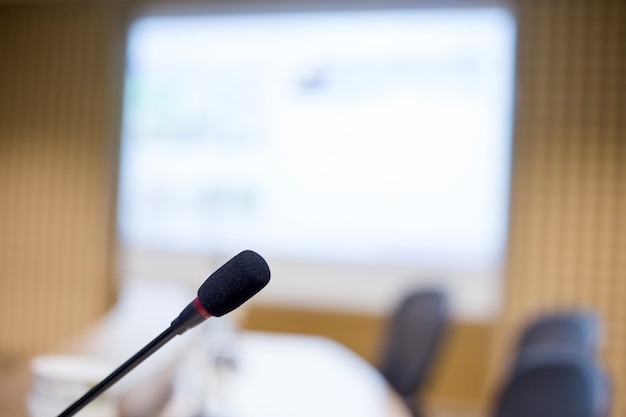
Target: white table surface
{"points": [[280, 375]]}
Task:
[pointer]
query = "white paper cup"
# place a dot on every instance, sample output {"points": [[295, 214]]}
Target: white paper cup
{"points": [[59, 380]]}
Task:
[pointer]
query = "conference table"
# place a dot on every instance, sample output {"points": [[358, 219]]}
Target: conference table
{"points": [[266, 375], [285, 375], [254, 374]]}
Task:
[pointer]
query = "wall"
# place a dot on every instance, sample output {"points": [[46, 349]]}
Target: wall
{"points": [[59, 95], [568, 225]]}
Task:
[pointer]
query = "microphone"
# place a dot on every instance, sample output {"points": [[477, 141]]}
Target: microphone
{"points": [[224, 290]]}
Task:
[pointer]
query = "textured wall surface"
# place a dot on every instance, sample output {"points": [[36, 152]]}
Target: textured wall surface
{"points": [[59, 93], [568, 219]]}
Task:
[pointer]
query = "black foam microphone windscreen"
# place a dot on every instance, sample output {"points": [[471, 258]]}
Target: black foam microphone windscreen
{"points": [[234, 283]]}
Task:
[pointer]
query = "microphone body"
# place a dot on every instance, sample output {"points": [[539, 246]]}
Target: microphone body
{"points": [[226, 289], [190, 317]]}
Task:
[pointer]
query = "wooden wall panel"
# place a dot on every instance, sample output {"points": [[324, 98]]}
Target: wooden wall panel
{"points": [[60, 67], [568, 201]]}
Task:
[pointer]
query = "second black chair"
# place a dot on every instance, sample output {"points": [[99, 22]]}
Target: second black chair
{"points": [[552, 381], [571, 330], [576, 329]]}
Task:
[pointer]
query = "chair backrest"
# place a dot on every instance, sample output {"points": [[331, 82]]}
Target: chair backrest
{"points": [[414, 333], [552, 381], [575, 329]]}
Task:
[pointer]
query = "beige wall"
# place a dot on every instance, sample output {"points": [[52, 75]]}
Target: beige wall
{"points": [[568, 220], [59, 94]]}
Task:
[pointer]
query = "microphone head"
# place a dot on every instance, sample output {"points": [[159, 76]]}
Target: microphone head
{"points": [[234, 283]]}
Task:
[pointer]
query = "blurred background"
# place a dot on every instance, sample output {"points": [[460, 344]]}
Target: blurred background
{"points": [[364, 148]]}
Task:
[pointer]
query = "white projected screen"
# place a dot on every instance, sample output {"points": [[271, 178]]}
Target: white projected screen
{"points": [[356, 137]]}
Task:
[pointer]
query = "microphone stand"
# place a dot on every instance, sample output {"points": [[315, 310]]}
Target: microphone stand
{"points": [[126, 367], [234, 282]]}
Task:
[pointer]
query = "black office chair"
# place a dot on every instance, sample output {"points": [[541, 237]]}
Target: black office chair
{"points": [[554, 381], [576, 329], [414, 334]]}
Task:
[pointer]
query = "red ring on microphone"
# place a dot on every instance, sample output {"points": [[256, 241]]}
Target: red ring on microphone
{"points": [[199, 309]]}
